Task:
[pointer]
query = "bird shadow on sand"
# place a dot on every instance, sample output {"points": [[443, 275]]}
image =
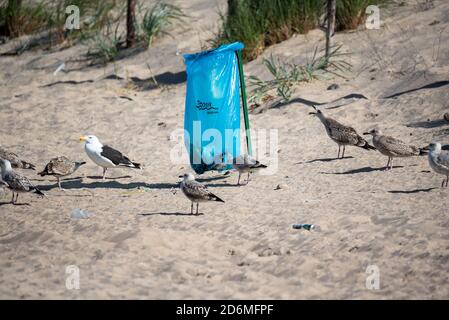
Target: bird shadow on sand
{"points": [[361, 170], [171, 214], [111, 185], [106, 178], [219, 177], [78, 184], [219, 185], [325, 160], [428, 124], [17, 204], [412, 191]]}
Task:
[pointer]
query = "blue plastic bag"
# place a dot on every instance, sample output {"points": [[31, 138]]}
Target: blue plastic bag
{"points": [[212, 109]]}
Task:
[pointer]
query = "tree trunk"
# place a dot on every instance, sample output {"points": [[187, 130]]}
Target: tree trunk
{"points": [[130, 24], [330, 30]]}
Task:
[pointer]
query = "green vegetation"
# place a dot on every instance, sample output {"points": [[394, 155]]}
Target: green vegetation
{"points": [[157, 19], [261, 23], [101, 23], [351, 13], [287, 75]]}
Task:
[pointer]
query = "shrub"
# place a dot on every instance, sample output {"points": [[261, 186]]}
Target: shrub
{"points": [[157, 18], [261, 23]]}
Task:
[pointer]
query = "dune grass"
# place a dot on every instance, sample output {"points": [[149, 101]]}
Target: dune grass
{"points": [[351, 13], [261, 23], [17, 20], [286, 75], [156, 19]]}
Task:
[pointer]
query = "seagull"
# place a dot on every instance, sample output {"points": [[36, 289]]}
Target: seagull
{"points": [[60, 167], [14, 159], [247, 164], [105, 156], [196, 191], [392, 147], [439, 161], [16, 182], [341, 134]]}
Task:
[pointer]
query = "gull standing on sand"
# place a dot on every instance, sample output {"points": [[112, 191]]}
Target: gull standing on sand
{"points": [[245, 164], [392, 147], [105, 156], [341, 134], [60, 167], [14, 159], [439, 161], [196, 191], [16, 182]]}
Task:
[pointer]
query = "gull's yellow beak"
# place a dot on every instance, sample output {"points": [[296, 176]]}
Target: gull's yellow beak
{"points": [[83, 138]]}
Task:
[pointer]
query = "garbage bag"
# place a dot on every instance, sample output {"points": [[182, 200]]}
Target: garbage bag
{"points": [[212, 108]]}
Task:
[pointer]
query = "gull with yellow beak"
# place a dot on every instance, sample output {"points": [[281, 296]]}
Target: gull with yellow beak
{"points": [[105, 156]]}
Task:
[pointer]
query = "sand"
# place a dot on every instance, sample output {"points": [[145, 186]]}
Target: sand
{"points": [[140, 241]]}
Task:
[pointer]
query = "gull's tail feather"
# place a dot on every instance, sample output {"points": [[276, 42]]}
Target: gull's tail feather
{"points": [[215, 198], [367, 146], [38, 192], [137, 165], [131, 164], [424, 151], [259, 165], [43, 172], [27, 165]]}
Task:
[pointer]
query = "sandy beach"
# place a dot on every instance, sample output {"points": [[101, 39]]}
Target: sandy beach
{"points": [[141, 242]]}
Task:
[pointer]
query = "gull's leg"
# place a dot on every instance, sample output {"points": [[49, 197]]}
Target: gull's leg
{"points": [[343, 155], [247, 179], [191, 208], [59, 183], [391, 164], [238, 182], [197, 208], [447, 180], [17, 197], [388, 164], [12, 200], [104, 173], [442, 183], [338, 156]]}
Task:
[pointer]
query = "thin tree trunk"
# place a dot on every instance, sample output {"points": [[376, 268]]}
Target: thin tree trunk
{"points": [[331, 9], [130, 23]]}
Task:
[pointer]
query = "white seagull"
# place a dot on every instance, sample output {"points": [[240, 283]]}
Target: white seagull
{"points": [[105, 156], [439, 161], [16, 182]]}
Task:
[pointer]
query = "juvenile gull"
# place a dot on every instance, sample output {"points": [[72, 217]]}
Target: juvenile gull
{"points": [[196, 191], [16, 182], [439, 161], [392, 147], [247, 164], [14, 159], [105, 156], [341, 134], [60, 167]]}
